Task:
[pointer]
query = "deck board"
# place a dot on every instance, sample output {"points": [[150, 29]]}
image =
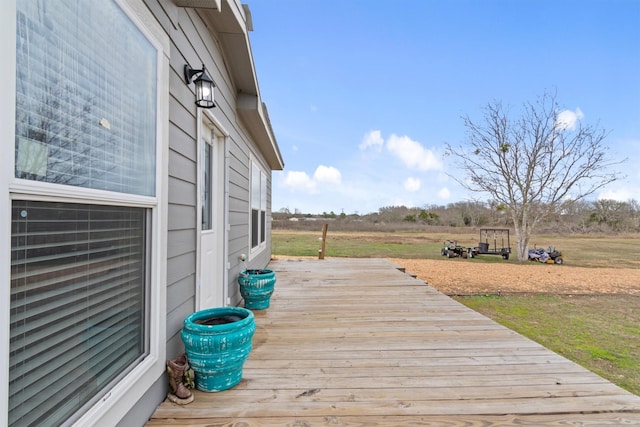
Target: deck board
{"points": [[356, 342]]}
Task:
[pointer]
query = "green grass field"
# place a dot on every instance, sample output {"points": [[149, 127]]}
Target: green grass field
{"points": [[578, 250], [599, 332]]}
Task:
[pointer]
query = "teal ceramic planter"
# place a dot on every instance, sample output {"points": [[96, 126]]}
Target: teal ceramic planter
{"points": [[256, 287], [217, 342]]}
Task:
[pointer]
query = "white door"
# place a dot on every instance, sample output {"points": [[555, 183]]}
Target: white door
{"points": [[211, 287]]}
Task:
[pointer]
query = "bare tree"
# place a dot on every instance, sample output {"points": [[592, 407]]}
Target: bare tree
{"points": [[534, 165]]}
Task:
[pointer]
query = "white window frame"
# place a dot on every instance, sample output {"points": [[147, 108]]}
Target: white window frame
{"points": [[113, 406], [263, 174]]}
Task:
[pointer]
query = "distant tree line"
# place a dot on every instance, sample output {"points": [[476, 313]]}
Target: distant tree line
{"points": [[601, 216]]}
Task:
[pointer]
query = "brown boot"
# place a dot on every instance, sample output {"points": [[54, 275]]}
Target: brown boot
{"points": [[179, 394]]}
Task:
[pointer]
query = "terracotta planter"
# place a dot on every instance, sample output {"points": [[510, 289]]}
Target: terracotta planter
{"points": [[256, 287], [217, 342]]}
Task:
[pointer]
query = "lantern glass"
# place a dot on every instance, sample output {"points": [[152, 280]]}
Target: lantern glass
{"points": [[204, 86], [204, 92]]}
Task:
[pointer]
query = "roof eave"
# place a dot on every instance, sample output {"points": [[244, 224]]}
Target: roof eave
{"points": [[232, 23], [255, 115]]}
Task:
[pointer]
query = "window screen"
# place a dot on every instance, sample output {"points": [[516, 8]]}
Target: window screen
{"points": [[77, 305]]}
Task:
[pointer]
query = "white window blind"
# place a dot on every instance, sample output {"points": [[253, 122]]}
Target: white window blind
{"points": [[77, 305]]}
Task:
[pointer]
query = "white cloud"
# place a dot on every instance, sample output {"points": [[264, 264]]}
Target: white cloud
{"points": [[619, 194], [327, 175], [412, 153], [313, 108], [372, 140], [301, 181], [567, 119], [444, 193], [412, 184]]}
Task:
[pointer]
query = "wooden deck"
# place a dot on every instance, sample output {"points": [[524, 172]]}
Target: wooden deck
{"points": [[356, 342]]}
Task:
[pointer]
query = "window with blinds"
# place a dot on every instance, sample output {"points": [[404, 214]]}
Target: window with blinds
{"points": [[258, 206], [77, 305], [86, 115]]}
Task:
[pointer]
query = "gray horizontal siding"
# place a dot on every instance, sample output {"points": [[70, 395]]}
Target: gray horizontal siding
{"points": [[182, 192], [175, 319], [181, 242], [181, 217], [182, 143], [180, 267], [192, 42]]}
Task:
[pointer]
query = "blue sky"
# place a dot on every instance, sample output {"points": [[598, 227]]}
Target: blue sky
{"points": [[364, 94]]}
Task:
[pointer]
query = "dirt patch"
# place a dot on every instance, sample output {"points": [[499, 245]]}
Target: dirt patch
{"points": [[464, 277], [458, 276]]}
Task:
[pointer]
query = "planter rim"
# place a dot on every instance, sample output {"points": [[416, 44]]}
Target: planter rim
{"points": [[246, 314], [256, 271]]}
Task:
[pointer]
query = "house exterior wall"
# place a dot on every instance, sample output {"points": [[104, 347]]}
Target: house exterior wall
{"points": [[193, 42], [191, 36]]}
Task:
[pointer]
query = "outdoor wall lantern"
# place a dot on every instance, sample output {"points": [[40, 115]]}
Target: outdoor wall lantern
{"points": [[204, 86]]}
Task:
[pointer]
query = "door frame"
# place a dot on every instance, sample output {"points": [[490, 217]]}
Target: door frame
{"points": [[207, 122]]}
